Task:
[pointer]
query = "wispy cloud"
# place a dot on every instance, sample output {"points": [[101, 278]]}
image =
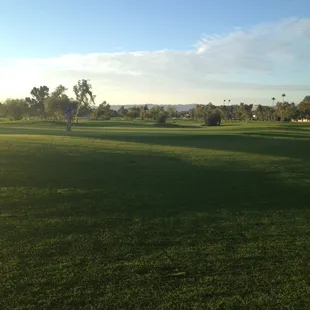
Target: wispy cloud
{"points": [[252, 63]]}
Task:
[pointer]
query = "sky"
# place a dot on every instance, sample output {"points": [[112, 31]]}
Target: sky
{"points": [[158, 51]]}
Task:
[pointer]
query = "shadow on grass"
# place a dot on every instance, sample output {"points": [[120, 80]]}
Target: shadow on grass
{"points": [[254, 141], [130, 223], [140, 124], [246, 143], [133, 183], [113, 124], [296, 127], [273, 126], [108, 124], [276, 135], [176, 125]]}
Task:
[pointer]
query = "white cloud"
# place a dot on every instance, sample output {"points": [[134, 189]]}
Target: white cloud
{"points": [[253, 63]]}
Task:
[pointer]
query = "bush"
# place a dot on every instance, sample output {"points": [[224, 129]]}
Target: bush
{"points": [[161, 118], [214, 119]]}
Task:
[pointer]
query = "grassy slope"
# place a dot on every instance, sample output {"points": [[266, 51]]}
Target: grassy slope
{"points": [[132, 216]]}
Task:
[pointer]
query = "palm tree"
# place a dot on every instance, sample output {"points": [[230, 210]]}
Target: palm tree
{"points": [[283, 95], [273, 99], [224, 101], [229, 109]]}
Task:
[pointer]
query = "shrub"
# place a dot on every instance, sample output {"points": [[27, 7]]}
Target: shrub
{"points": [[161, 118], [214, 119]]}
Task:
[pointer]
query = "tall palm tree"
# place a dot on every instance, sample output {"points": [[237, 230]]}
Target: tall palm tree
{"points": [[224, 101], [273, 99], [228, 101], [283, 96]]}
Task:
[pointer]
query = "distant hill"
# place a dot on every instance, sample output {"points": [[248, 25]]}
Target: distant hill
{"points": [[179, 107]]}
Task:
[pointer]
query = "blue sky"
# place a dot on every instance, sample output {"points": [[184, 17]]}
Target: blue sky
{"points": [[246, 50]]}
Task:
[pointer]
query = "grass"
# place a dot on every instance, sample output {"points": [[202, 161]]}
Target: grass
{"points": [[127, 215]]}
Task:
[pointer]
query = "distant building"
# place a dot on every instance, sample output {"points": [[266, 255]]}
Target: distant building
{"points": [[301, 120]]}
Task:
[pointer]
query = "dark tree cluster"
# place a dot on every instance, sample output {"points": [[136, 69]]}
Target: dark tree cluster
{"points": [[51, 105]]}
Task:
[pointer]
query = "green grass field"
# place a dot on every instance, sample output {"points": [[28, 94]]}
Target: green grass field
{"points": [[128, 215]]}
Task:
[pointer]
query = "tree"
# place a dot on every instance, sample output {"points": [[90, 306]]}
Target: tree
{"points": [[85, 111], [114, 113], [3, 110], [16, 108], [292, 112], [57, 103], [259, 113], [59, 91], [280, 110], [224, 112], [285, 110], [269, 113], [207, 110], [238, 111], [83, 95], [171, 111], [144, 112], [198, 111], [159, 114], [246, 111], [191, 113], [273, 100], [304, 107], [161, 117], [103, 111], [133, 112], [36, 103], [122, 111], [283, 96]]}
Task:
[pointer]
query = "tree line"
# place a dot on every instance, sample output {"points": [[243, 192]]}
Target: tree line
{"points": [[281, 111], [51, 105]]}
